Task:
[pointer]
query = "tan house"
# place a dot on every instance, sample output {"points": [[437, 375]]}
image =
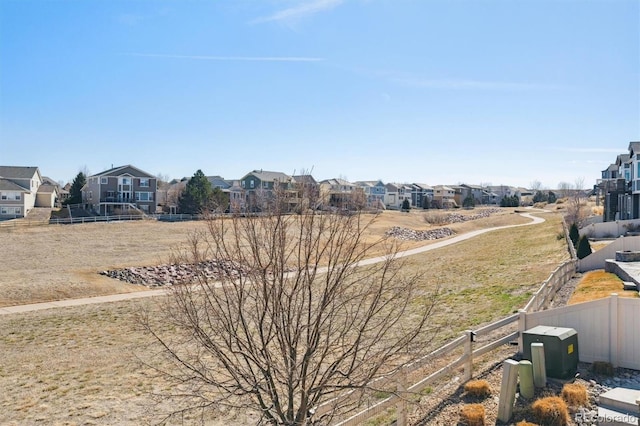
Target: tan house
{"points": [[21, 190], [444, 196], [120, 189]]}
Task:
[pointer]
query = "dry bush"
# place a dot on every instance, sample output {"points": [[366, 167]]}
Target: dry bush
{"points": [[526, 423], [602, 367], [540, 205], [551, 411], [472, 415], [477, 388], [597, 210], [574, 394], [436, 218]]}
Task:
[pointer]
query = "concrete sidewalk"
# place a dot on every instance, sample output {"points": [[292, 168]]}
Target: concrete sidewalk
{"points": [[160, 292]]}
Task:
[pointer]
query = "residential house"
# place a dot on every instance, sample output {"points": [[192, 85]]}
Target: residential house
{"points": [[308, 191], [395, 195], [49, 193], [261, 188], [443, 197], [341, 194], [474, 191], [168, 195], [421, 195], [374, 192], [19, 191], [120, 189], [619, 188]]}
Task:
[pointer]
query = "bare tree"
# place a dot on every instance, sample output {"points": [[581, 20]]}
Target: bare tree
{"points": [[535, 185], [291, 320], [575, 211], [564, 189]]}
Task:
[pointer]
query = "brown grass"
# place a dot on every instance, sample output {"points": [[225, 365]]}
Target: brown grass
{"points": [[551, 411], [79, 365], [574, 394], [472, 415], [526, 423], [477, 388], [598, 285]]}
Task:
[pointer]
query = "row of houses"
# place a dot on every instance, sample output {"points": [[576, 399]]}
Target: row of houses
{"points": [[128, 187], [619, 188]]}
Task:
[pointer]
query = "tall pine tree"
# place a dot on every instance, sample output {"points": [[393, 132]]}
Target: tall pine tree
{"points": [[75, 192], [196, 196]]}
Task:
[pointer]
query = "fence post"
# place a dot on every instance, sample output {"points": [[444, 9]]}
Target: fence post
{"points": [[613, 329], [468, 353], [507, 389], [401, 406], [522, 327]]}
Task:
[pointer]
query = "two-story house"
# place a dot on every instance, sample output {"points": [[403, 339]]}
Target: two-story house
{"points": [[341, 194], [444, 196], [120, 189], [21, 190], [262, 188], [395, 195], [374, 192], [421, 195]]}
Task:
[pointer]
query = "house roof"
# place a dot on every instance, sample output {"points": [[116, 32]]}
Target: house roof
{"points": [[477, 187], [9, 185], [422, 185], [218, 182], [124, 170], [18, 172], [305, 179], [267, 176], [47, 189], [634, 147], [337, 181]]}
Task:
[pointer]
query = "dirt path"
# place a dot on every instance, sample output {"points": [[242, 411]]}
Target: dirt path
{"points": [[151, 293]]}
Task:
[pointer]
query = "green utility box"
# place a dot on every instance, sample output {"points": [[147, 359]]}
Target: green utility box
{"points": [[560, 349]]}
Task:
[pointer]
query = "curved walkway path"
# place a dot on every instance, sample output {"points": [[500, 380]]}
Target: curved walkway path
{"points": [[150, 293]]}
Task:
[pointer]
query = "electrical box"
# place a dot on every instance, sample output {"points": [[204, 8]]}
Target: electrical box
{"points": [[560, 349]]}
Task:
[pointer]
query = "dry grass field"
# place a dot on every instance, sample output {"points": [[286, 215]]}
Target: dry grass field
{"points": [[79, 365], [598, 285]]}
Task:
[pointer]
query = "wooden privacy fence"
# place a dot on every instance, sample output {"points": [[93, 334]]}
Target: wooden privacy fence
{"points": [[411, 379]]}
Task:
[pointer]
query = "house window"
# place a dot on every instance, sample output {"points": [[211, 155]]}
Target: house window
{"points": [[243, 184], [144, 183], [126, 181], [251, 183], [104, 180], [144, 196], [265, 184], [10, 210]]}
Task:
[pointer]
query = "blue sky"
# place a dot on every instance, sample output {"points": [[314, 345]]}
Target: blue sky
{"points": [[434, 91]]}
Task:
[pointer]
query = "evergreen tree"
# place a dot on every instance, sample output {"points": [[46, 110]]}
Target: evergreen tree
{"points": [[574, 234], [196, 196], [75, 193], [469, 202], [552, 198], [584, 248], [406, 205]]}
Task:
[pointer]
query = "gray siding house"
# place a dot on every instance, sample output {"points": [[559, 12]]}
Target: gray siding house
{"points": [[120, 189]]}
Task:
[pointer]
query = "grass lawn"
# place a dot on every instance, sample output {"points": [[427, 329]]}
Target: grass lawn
{"points": [[79, 365], [598, 285]]}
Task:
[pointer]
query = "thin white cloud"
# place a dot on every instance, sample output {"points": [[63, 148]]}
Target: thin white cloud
{"points": [[231, 58], [301, 11], [453, 84]]}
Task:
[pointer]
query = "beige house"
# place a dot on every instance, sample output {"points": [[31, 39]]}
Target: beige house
{"points": [[444, 196], [21, 190]]}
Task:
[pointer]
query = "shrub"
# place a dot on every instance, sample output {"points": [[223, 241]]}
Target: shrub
{"points": [[551, 411], [602, 367], [436, 218], [574, 234], [584, 248], [477, 388], [526, 423], [406, 205], [574, 394], [472, 415]]}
